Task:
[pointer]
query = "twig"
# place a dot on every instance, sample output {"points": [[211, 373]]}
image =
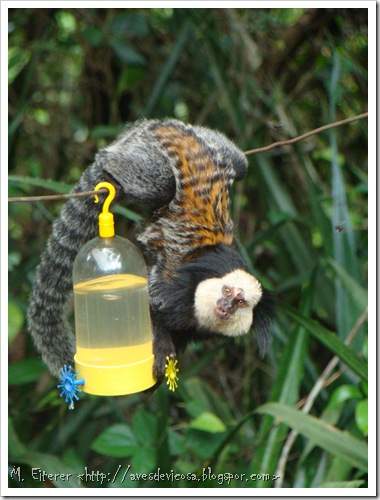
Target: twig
{"points": [[316, 389], [51, 197], [250, 152], [306, 135]]}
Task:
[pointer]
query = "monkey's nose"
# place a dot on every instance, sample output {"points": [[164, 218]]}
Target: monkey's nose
{"points": [[224, 308]]}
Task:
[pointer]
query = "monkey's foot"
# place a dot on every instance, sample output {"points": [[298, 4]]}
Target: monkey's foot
{"points": [[159, 366]]}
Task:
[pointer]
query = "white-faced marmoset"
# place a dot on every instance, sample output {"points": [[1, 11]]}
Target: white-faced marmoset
{"points": [[198, 282]]}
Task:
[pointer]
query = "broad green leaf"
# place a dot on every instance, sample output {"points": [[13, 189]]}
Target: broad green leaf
{"points": [[343, 393], [144, 427], [194, 408], [176, 443], [331, 341], [203, 444], [116, 441], [143, 460], [331, 439], [206, 399], [208, 422]]}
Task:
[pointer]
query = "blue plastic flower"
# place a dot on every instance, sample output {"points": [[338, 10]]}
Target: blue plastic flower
{"points": [[69, 385]]}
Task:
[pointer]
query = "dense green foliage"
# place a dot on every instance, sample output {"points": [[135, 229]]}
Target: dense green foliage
{"points": [[259, 75]]}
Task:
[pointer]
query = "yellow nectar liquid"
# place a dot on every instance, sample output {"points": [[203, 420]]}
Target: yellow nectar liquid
{"points": [[112, 320]]}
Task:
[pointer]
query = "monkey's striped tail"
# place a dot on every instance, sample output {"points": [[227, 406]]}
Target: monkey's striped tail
{"points": [[52, 289]]}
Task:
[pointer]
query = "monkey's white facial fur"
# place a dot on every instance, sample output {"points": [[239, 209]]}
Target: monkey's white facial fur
{"points": [[225, 305]]}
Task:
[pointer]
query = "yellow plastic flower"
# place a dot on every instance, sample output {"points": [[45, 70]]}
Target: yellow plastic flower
{"points": [[171, 373]]}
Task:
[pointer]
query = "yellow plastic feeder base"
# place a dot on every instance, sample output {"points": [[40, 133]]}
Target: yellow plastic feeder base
{"points": [[116, 380]]}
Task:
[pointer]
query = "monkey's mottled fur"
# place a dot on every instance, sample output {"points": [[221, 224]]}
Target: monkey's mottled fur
{"points": [[183, 173]]}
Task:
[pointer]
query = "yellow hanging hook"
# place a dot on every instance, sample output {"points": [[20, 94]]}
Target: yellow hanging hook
{"points": [[106, 224], [110, 196]]}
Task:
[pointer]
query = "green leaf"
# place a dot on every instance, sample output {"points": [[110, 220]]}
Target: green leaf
{"points": [[285, 389], [361, 416], [15, 446], [358, 294], [16, 319], [55, 186], [144, 427], [343, 393], [49, 468], [116, 441], [126, 52], [63, 188], [143, 460], [167, 69], [25, 371], [63, 476], [331, 341], [339, 470], [17, 59], [176, 443], [208, 422], [206, 400], [194, 408], [127, 213], [343, 484], [329, 438], [334, 409], [203, 444]]}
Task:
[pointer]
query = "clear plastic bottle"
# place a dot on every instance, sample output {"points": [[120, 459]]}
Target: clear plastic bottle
{"points": [[112, 320]]}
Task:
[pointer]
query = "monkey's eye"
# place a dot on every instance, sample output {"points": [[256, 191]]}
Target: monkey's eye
{"points": [[226, 290], [240, 299]]}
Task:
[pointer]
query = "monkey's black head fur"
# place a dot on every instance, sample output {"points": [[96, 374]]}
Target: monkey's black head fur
{"points": [[177, 296]]}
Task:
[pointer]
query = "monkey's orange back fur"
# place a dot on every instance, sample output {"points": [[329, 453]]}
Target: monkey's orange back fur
{"points": [[198, 215]]}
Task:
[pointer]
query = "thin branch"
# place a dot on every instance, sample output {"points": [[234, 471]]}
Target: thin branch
{"points": [[250, 152], [316, 389], [306, 135], [52, 197]]}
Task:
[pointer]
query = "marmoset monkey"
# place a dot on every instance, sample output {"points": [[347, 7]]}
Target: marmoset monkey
{"points": [[198, 282]]}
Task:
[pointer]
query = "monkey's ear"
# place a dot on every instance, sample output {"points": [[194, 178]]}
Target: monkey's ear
{"points": [[263, 318], [143, 172]]}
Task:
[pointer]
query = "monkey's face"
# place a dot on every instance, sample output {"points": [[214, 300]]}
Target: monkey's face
{"points": [[226, 305]]}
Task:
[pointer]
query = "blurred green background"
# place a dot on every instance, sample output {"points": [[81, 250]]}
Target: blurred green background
{"points": [[76, 76]]}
